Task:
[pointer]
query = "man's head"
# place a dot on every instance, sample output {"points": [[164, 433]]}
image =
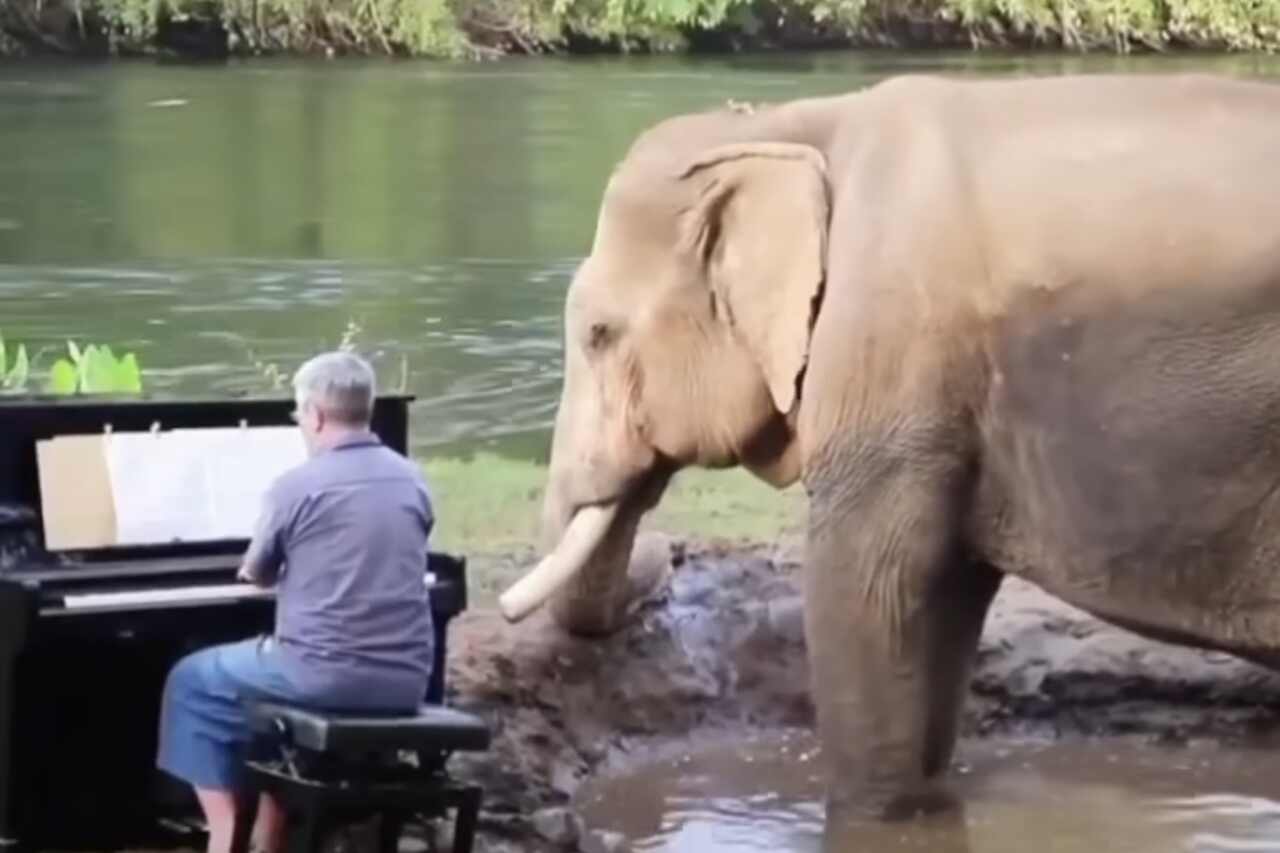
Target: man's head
{"points": [[334, 394]]}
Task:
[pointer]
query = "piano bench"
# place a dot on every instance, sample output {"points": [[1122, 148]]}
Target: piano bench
{"points": [[337, 769]]}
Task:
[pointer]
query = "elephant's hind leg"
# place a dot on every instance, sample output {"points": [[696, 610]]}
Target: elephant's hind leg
{"points": [[894, 610]]}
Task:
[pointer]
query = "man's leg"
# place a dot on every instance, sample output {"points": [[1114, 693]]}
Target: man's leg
{"points": [[203, 730], [268, 830], [219, 809]]}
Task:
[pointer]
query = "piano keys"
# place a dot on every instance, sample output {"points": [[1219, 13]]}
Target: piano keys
{"points": [[88, 636], [135, 599]]}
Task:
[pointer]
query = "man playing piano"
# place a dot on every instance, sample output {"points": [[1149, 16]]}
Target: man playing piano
{"points": [[343, 537]]}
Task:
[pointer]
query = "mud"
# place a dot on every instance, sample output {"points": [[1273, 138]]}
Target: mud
{"points": [[719, 651]]}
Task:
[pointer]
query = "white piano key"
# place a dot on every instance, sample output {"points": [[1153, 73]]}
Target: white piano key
{"points": [[125, 598], [165, 595]]}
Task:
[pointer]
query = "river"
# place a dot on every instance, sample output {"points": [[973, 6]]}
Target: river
{"points": [[221, 220]]}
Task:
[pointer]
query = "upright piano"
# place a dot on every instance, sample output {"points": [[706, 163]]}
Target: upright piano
{"points": [[87, 637]]}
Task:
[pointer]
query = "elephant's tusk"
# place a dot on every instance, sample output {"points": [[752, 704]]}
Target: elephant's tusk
{"points": [[580, 538]]}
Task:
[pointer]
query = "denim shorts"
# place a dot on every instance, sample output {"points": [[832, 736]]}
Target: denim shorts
{"points": [[204, 732]]}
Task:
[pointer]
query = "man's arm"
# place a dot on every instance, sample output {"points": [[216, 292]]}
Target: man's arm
{"points": [[262, 561]]}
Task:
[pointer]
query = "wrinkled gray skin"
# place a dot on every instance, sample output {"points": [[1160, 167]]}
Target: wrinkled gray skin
{"points": [[1022, 327]]}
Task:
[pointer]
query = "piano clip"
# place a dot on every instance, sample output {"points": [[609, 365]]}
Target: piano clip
{"points": [[106, 428], [244, 423], [155, 428]]}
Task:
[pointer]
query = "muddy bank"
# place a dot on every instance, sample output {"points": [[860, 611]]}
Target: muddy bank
{"points": [[720, 649]]}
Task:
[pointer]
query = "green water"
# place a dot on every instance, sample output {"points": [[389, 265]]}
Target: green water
{"points": [[200, 214]]}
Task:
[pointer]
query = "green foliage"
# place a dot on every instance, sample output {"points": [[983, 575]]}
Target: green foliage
{"points": [[275, 378], [272, 376], [62, 378], [133, 19], [348, 343], [425, 28], [14, 377], [92, 370], [1118, 25], [479, 28]]}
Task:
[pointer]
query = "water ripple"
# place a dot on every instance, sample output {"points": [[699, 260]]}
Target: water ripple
{"points": [[755, 794], [482, 369]]}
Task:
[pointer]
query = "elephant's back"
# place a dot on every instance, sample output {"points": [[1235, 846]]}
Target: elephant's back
{"points": [[1131, 303]]}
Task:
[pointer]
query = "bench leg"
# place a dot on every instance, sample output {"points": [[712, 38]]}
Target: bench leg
{"points": [[390, 825], [302, 832], [464, 828]]}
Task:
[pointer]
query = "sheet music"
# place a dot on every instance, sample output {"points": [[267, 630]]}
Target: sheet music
{"points": [[195, 484], [250, 462]]}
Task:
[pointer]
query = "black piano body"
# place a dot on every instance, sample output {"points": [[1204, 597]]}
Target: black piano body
{"points": [[87, 638]]}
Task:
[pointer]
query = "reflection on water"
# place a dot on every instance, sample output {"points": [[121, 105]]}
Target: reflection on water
{"points": [[196, 213], [765, 794]]}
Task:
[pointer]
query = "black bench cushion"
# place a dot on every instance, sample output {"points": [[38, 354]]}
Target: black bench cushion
{"points": [[433, 728]]}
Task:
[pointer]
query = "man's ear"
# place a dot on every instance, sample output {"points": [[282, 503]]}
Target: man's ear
{"points": [[759, 231]]}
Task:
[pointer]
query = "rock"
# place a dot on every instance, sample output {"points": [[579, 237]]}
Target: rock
{"points": [[599, 841], [417, 845], [565, 777], [786, 618], [498, 846], [441, 837], [556, 825]]}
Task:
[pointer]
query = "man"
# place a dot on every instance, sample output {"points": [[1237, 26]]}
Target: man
{"points": [[344, 539]]}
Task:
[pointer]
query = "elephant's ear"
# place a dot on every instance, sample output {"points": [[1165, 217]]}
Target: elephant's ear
{"points": [[759, 230]]}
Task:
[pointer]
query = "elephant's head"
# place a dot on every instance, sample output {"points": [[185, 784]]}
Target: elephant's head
{"points": [[686, 337]]}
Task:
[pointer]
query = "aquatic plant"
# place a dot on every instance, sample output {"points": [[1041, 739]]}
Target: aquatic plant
{"points": [[274, 377], [14, 377], [92, 370]]}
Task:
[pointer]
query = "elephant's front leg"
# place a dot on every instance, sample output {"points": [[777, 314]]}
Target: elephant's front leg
{"points": [[894, 610]]}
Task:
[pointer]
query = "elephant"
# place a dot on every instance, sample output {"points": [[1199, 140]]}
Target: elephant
{"points": [[992, 326]]}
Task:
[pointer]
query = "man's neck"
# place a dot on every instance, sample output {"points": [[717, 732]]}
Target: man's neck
{"points": [[337, 436]]}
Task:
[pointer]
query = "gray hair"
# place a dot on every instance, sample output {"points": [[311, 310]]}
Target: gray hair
{"points": [[341, 383]]}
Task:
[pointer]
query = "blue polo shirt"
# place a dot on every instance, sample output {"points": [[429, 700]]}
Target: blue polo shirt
{"points": [[344, 537]]}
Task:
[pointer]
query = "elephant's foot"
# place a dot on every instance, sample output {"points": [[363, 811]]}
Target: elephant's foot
{"points": [[851, 809], [855, 832]]}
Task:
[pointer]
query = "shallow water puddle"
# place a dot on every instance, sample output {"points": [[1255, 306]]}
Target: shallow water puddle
{"points": [[764, 794]]}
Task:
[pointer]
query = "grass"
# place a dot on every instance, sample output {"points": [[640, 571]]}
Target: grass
{"points": [[487, 508]]}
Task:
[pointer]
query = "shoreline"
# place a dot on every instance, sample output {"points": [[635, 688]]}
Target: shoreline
{"points": [[491, 29]]}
